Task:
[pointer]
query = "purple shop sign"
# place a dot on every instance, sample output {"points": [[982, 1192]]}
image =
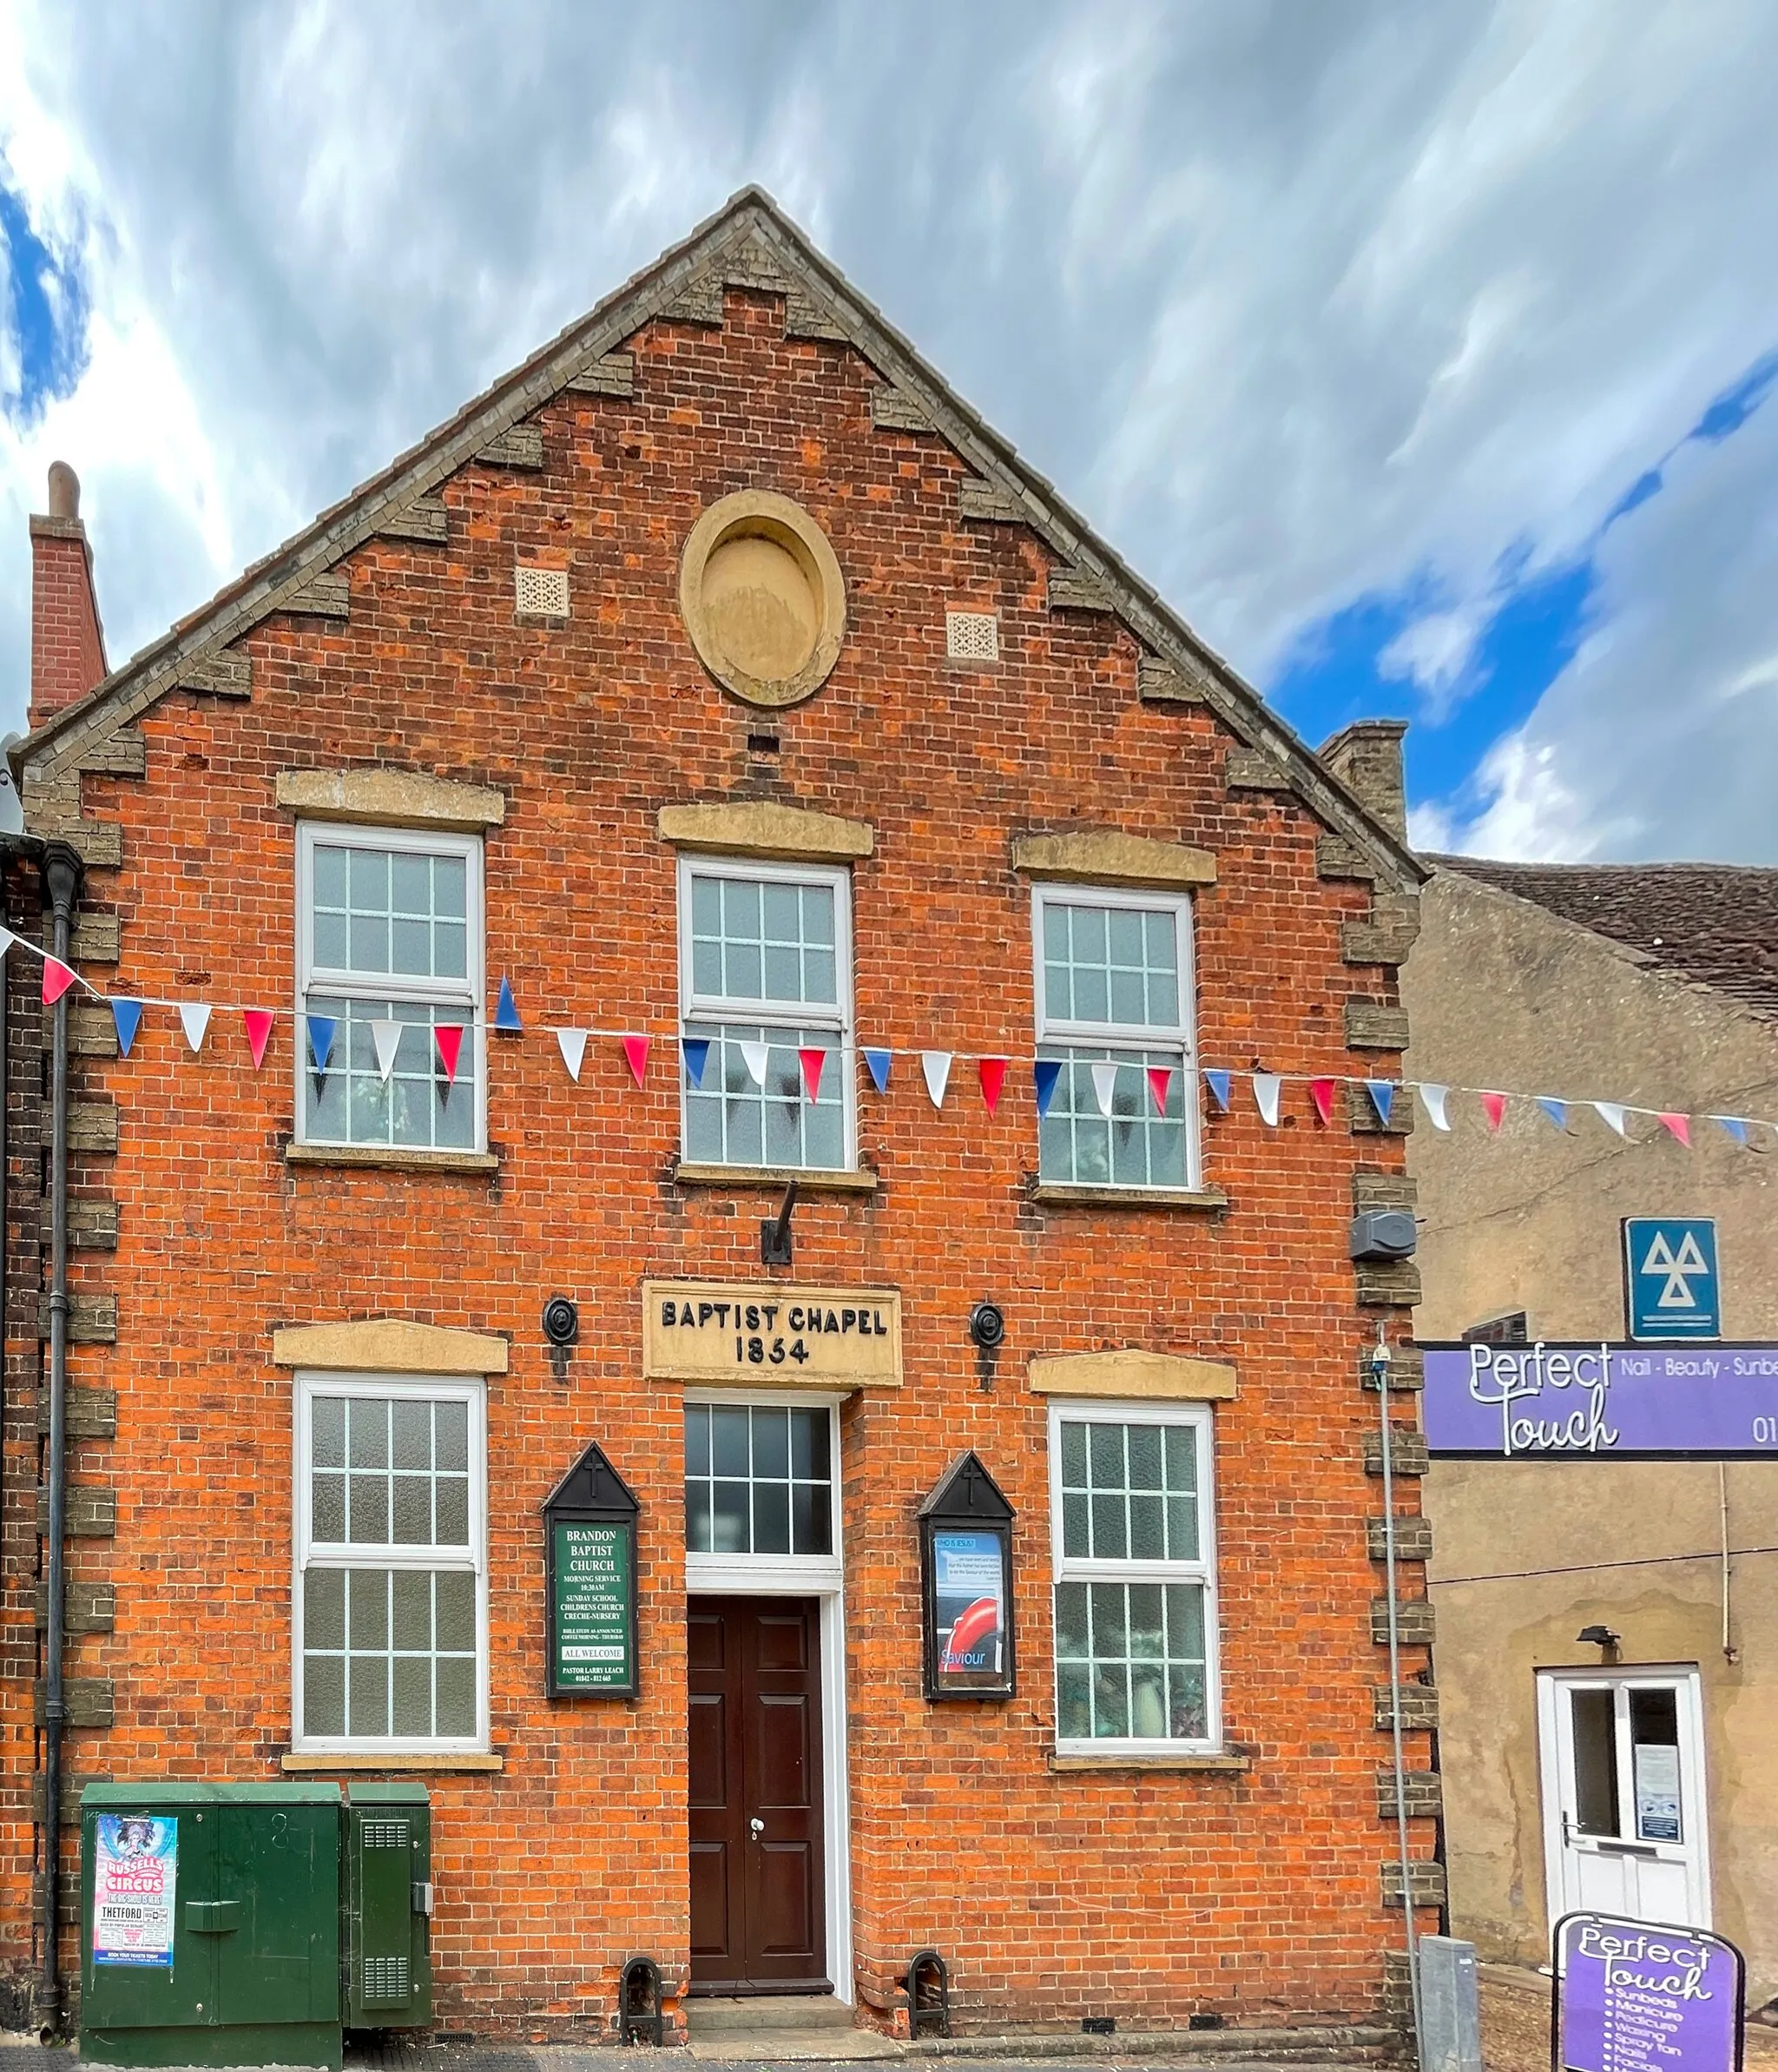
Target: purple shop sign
{"points": [[1612, 1401], [1638, 1996]]}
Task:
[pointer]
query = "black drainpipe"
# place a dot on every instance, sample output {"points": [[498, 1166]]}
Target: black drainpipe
{"points": [[61, 876]]}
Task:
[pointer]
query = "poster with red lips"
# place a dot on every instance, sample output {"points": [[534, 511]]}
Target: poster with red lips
{"points": [[969, 1578]]}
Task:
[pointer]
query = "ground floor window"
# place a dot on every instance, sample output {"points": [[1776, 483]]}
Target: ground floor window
{"points": [[1136, 1605], [390, 1601]]}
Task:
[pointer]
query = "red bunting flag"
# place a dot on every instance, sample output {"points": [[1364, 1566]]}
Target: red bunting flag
{"points": [[1493, 1106], [811, 1061], [1322, 1091], [993, 1071], [57, 978], [259, 1032], [636, 1055], [1679, 1126], [1160, 1082], [449, 1037]]}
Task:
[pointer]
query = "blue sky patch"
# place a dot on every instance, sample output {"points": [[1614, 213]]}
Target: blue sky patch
{"points": [[1335, 673], [44, 309]]}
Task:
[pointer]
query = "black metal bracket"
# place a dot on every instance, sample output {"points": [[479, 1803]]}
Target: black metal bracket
{"points": [[777, 1245]]}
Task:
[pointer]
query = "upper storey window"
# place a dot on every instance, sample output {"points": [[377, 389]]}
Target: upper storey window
{"points": [[1114, 987], [390, 935], [766, 974]]}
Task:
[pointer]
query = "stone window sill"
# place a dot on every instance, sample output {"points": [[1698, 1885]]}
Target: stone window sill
{"points": [[365, 1759], [776, 1176], [389, 1157], [1059, 1194], [1233, 1763]]}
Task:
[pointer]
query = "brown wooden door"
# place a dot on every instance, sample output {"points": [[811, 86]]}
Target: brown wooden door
{"points": [[758, 1893]]}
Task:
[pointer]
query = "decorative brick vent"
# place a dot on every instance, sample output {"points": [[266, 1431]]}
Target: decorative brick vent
{"points": [[542, 592], [972, 637]]}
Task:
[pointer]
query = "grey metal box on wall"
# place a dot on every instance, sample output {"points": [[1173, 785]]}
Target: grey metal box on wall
{"points": [[1451, 2026]]}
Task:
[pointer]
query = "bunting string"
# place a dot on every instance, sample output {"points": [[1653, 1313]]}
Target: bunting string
{"points": [[1558, 1111]]}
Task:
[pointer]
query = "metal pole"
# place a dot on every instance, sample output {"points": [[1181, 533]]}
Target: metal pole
{"points": [[1379, 1366], [61, 881]]}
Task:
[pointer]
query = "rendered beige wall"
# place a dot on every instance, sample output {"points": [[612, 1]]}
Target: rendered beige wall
{"points": [[1502, 994]]}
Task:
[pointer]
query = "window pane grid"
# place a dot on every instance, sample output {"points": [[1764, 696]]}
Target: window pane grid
{"points": [[1136, 1145], [392, 934], [763, 940], [389, 1608], [1133, 1592], [389, 1472], [389, 1653], [418, 1106], [383, 911], [1130, 1662], [731, 1121], [1111, 967], [757, 1480]]}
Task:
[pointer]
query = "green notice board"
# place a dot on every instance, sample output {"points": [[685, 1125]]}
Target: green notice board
{"points": [[592, 1605]]}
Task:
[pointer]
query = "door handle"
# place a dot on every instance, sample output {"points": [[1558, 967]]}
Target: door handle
{"points": [[758, 1826], [212, 1916]]}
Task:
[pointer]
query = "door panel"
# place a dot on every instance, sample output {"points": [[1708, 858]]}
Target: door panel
{"points": [[758, 1898], [1623, 1765]]}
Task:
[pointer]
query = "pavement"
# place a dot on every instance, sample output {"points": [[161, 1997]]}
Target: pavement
{"points": [[1175, 2051]]}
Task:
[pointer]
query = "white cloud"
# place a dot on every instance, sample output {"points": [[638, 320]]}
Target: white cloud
{"points": [[1296, 308]]}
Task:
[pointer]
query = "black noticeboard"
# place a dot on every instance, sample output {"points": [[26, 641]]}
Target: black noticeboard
{"points": [[590, 1601], [965, 1528]]}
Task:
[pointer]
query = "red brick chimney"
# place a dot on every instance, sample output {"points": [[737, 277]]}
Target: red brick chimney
{"points": [[68, 643]]}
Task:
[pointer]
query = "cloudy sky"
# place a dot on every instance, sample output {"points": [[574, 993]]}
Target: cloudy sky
{"points": [[1421, 354]]}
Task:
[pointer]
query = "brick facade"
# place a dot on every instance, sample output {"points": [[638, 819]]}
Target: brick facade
{"points": [[1256, 1892]]}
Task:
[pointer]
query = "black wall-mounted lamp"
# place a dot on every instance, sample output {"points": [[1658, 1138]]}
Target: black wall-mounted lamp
{"points": [[777, 1246], [561, 1330], [1599, 1636]]}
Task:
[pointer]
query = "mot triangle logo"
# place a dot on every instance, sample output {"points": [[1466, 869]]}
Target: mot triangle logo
{"points": [[1676, 1269]]}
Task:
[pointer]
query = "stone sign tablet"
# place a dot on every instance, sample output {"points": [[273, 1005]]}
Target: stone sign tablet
{"points": [[781, 1334]]}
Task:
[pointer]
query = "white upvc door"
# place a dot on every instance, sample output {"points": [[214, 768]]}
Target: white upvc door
{"points": [[1622, 1764]]}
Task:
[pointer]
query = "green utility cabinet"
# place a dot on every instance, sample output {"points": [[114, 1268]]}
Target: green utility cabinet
{"points": [[210, 1923], [388, 1905], [244, 1924]]}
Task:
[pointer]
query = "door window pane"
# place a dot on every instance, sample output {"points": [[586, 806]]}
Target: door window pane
{"points": [[1654, 1755], [757, 1479], [1592, 1715]]}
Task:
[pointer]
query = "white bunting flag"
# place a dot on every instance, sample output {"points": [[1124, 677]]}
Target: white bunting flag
{"points": [[1612, 1113], [756, 1057], [1433, 1100], [1104, 1086], [7, 939], [574, 1050], [1268, 1085], [936, 1065], [387, 1035], [196, 1020]]}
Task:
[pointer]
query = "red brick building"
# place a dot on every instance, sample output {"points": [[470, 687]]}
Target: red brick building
{"points": [[719, 678]]}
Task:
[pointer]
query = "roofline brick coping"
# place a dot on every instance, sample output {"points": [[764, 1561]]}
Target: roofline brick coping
{"points": [[1136, 1376], [759, 827], [395, 797], [751, 215], [1106, 856], [388, 1345]]}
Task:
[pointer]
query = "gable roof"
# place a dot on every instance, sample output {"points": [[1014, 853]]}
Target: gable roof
{"points": [[1714, 924], [751, 242]]}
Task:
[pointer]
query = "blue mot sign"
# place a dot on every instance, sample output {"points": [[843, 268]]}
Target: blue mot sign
{"points": [[1671, 1290]]}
